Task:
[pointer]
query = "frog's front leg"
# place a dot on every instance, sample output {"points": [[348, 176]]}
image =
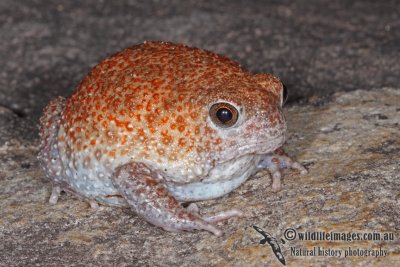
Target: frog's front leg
{"points": [[150, 199], [276, 161]]}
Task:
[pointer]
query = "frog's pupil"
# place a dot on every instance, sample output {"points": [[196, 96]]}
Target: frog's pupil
{"points": [[224, 115]]}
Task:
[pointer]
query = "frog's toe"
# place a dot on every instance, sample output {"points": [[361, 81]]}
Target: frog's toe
{"points": [[276, 180], [299, 167], [224, 215], [206, 222], [203, 225], [55, 194], [193, 208], [93, 204]]}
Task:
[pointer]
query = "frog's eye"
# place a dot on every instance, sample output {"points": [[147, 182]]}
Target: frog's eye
{"points": [[224, 115], [284, 94]]}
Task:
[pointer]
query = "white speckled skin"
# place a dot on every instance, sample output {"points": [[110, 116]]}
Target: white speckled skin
{"points": [[145, 129]]}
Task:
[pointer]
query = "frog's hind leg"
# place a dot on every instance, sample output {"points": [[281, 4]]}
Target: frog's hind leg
{"points": [[150, 199], [49, 158]]}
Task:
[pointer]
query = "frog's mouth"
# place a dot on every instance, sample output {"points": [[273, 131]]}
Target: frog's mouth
{"points": [[258, 136], [258, 148]]}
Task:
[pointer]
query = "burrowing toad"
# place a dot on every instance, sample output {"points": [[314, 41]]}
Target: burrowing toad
{"points": [[158, 124]]}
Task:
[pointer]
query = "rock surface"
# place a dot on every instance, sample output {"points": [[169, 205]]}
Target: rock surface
{"points": [[349, 141], [350, 145]]}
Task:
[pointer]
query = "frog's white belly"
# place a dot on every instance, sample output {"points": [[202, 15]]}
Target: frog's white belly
{"points": [[222, 180]]}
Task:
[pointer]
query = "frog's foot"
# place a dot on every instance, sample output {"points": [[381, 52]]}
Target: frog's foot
{"points": [[276, 161], [56, 192], [150, 199]]}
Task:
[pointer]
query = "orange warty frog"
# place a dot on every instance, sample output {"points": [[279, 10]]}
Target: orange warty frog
{"points": [[158, 124]]}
